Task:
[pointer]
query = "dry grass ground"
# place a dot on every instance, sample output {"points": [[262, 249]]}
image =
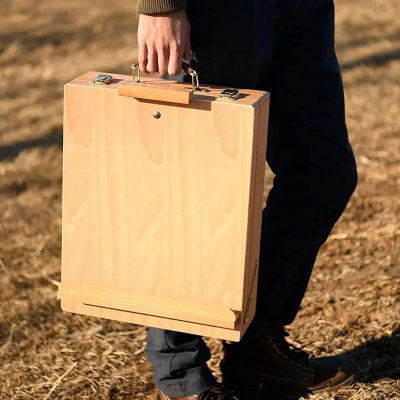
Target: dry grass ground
{"points": [[352, 304]]}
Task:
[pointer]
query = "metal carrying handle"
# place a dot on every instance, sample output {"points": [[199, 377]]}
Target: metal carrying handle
{"points": [[185, 66], [135, 67], [195, 76]]}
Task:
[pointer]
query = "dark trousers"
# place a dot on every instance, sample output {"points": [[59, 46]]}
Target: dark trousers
{"points": [[287, 48]]}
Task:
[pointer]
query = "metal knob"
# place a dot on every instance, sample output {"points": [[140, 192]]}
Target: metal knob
{"points": [[157, 114]]}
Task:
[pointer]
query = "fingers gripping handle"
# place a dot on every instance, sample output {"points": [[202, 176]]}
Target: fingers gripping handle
{"points": [[160, 89], [185, 66]]}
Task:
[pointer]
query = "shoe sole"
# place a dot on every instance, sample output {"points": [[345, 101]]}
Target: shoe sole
{"points": [[349, 381]]}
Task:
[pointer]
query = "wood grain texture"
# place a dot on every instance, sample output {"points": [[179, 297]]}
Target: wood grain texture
{"points": [[163, 208]]}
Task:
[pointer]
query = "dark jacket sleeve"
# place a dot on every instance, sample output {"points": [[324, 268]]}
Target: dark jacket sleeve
{"points": [[160, 6]]}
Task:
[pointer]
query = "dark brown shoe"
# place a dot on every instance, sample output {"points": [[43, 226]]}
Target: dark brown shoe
{"points": [[218, 392], [272, 364]]}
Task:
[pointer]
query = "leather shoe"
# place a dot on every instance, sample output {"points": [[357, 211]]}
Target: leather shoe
{"points": [[270, 363]]}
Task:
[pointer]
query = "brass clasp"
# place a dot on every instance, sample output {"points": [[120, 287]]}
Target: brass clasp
{"points": [[135, 67]]}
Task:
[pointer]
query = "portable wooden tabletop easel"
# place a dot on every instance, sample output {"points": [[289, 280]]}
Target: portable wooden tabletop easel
{"points": [[162, 202]]}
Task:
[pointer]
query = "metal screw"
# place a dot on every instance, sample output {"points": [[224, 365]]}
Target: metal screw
{"points": [[157, 114]]}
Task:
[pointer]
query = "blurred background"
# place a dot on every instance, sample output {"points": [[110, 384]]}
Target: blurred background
{"points": [[352, 304]]}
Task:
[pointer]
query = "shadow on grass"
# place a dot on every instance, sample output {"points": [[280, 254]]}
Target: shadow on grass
{"points": [[374, 60], [10, 151], [379, 359], [56, 31]]}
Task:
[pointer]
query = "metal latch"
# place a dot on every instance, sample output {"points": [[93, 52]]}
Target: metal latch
{"points": [[102, 80], [229, 94]]}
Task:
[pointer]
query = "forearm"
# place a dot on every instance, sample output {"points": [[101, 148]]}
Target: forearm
{"points": [[151, 7]]}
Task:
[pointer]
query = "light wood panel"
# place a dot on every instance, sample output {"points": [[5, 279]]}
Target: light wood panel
{"points": [[166, 209]]}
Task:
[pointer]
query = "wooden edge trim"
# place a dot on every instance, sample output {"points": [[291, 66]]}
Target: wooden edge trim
{"points": [[125, 300], [74, 306]]}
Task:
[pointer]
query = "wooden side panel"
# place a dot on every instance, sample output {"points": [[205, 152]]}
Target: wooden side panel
{"points": [[250, 238], [250, 284], [158, 207]]}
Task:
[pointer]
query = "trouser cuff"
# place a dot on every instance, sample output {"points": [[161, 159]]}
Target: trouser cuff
{"points": [[195, 382]]}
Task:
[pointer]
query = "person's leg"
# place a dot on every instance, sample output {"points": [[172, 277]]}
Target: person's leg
{"points": [[179, 362], [309, 153], [315, 175], [228, 49]]}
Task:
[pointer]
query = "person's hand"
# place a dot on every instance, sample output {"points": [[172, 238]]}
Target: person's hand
{"points": [[164, 40]]}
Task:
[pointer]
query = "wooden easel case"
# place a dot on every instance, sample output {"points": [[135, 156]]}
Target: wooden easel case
{"points": [[162, 203]]}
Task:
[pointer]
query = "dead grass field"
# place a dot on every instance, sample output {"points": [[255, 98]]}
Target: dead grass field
{"points": [[352, 304]]}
